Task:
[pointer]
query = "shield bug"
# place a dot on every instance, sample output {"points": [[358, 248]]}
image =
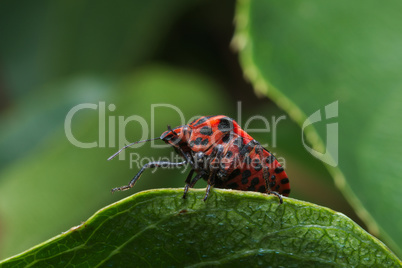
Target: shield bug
{"points": [[224, 155]]}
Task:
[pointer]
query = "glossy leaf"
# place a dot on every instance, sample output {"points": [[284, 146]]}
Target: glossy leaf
{"points": [[306, 55], [159, 228]]}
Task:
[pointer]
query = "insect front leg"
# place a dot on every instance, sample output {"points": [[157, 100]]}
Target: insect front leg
{"points": [[199, 176], [197, 164], [148, 165], [188, 181]]}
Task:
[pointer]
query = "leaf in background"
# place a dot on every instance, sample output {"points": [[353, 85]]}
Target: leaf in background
{"points": [[306, 55], [46, 40], [42, 113], [231, 229], [55, 185]]}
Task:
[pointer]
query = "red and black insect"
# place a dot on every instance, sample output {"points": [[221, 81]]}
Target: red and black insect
{"points": [[224, 155]]}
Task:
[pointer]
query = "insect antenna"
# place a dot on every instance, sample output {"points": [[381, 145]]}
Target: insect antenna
{"points": [[171, 130], [119, 151]]}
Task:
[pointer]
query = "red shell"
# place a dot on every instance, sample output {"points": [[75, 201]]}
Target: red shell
{"points": [[244, 163]]}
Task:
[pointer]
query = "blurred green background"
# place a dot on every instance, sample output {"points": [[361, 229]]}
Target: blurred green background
{"points": [[55, 55]]}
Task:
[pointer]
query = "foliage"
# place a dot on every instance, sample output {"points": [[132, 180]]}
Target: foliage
{"points": [[133, 59], [325, 62], [230, 229]]}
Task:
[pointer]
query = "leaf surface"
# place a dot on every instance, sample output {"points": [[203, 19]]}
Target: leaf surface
{"points": [[232, 228]]}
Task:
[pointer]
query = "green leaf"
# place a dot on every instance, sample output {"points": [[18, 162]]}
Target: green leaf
{"points": [[308, 54], [233, 228]]}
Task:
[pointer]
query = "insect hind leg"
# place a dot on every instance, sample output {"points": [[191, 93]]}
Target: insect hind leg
{"points": [[148, 165], [266, 173], [214, 166], [277, 194]]}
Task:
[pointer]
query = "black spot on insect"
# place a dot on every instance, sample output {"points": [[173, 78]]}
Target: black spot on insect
{"points": [[262, 189], [278, 170], [251, 188], [234, 174], [233, 185], [226, 138], [270, 159], [201, 120], [204, 142], [244, 177], [257, 165], [239, 142], [286, 191], [273, 177], [246, 174], [246, 149], [191, 144], [225, 125], [258, 148], [285, 181], [277, 187], [229, 154], [206, 131], [272, 184], [255, 181], [198, 141]]}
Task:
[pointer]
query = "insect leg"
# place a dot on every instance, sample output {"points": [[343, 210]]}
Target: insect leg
{"points": [[189, 177], [265, 172], [148, 165], [197, 178], [277, 194], [188, 181], [193, 181], [215, 165]]}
